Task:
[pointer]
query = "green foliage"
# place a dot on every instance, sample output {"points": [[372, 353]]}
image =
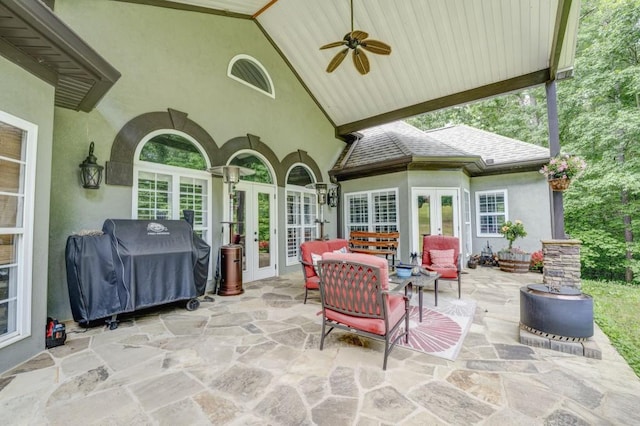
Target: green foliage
{"points": [[512, 231], [599, 118], [616, 313]]}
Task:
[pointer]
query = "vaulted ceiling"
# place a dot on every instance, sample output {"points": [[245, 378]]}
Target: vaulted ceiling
{"points": [[444, 52]]}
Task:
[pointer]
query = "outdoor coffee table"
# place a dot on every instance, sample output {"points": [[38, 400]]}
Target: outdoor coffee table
{"points": [[420, 281]]}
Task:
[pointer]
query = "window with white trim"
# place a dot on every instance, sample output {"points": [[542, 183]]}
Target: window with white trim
{"points": [[373, 211], [248, 71], [18, 140], [491, 212], [171, 177], [302, 210]]}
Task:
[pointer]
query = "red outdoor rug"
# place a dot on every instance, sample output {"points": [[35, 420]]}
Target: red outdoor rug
{"points": [[443, 328]]}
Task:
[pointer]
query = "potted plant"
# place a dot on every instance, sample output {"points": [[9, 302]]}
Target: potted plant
{"points": [[513, 259], [561, 169], [537, 261]]}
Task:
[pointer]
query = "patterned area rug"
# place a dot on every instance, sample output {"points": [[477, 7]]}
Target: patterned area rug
{"points": [[443, 328]]}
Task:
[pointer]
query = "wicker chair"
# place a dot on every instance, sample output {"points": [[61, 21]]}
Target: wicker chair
{"points": [[355, 295]]}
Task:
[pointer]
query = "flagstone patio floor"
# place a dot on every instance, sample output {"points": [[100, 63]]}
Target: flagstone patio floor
{"points": [[254, 359]]}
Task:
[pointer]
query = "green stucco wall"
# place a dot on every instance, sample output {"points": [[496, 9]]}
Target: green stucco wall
{"points": [[528, 199], [29, 98], [171, 59]]}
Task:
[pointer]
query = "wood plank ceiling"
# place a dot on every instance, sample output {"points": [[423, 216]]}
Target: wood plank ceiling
{"points": [[444, 52]]}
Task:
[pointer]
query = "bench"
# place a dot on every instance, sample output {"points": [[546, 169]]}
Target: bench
{"points": [[376, 243]]}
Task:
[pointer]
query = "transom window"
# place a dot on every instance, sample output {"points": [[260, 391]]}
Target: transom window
{"points": [[18, 139], [171, 177], [302, 210], [373, 211], [491, 208], [250, 161], [249, 71]]}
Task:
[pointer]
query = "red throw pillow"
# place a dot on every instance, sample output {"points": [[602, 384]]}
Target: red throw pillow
{"points": [[441, 257]]}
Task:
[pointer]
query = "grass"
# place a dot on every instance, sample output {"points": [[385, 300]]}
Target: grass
{"points": [[616, 313]]}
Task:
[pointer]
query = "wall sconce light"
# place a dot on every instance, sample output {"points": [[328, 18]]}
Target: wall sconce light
{"points": [[332, 197], [91, 171], [323, 190]]}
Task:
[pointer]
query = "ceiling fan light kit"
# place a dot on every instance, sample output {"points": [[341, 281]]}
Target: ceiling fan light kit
{"points": [[356, 40]]}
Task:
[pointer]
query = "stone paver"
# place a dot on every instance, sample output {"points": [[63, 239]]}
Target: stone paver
{"points": [[254, 359]]}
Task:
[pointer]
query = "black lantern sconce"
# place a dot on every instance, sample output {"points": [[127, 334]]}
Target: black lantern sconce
{"points": [[332, 198], [91, 171], [323, 192]]}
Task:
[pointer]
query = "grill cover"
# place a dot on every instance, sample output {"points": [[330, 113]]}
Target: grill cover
{"points": [[134, 265]]}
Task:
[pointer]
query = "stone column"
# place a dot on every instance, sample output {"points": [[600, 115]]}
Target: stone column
{"points": [[561, 263]]}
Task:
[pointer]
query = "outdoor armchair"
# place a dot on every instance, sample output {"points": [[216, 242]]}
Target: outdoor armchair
{"points": [[310, 253], [355, 295], [442, 255]]}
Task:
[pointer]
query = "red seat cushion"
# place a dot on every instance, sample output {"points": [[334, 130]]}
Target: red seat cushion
{"points": [[448, 271], [312, 283], [319, 247], [395, 309]]}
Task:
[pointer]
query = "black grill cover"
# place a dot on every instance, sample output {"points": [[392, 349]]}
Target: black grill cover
{"points": [[94, 291], [136, 264]]}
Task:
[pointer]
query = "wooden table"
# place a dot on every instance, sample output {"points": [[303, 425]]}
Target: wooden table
{"points": [[420, 281]]}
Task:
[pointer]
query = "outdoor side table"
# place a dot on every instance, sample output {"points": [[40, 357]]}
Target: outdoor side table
{"points": [[420, 281]]}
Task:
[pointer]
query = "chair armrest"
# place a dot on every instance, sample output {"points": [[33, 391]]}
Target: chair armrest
{"points": [[304, 270], [404, 289]]}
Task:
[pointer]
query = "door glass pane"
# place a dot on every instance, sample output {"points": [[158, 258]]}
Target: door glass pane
{"points": [[239, 228], [424, 217], [446, 209], [264, 227]]}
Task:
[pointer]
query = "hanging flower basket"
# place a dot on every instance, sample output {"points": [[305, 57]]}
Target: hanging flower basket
{"points": [[559, 184]]}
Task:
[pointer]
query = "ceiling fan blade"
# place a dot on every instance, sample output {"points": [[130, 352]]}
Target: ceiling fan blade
{"points": [[376, 46], [361, 61], [337, 60], [334, 44], [359, 35]]}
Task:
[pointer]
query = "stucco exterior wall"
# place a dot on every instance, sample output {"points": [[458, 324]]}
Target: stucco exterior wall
{"points": [[528, 199], [172, 59], [29, 98]]}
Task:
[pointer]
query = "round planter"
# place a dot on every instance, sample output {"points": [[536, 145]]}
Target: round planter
{"points": [[514, 262]]}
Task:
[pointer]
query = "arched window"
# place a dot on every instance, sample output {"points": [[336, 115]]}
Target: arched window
{"points": [[250, 161], [249, 71], [170, 176], [301, 211]]}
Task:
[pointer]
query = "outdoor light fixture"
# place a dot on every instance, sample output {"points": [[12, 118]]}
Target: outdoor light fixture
{"points": [[323, 191], [90, 171], [231, 176], [332, 197]]}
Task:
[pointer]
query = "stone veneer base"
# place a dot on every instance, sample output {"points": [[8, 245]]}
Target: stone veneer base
{"points": [[588, 348]]}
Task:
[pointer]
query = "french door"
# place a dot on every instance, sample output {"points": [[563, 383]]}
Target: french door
{"points": [[255, 214], [434, 211]]}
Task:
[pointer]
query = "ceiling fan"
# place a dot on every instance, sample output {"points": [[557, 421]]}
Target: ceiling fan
{"points": [[357, 41]]}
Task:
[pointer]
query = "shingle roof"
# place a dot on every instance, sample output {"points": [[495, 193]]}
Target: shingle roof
{"points": [[500, 149], [460, 145]]}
